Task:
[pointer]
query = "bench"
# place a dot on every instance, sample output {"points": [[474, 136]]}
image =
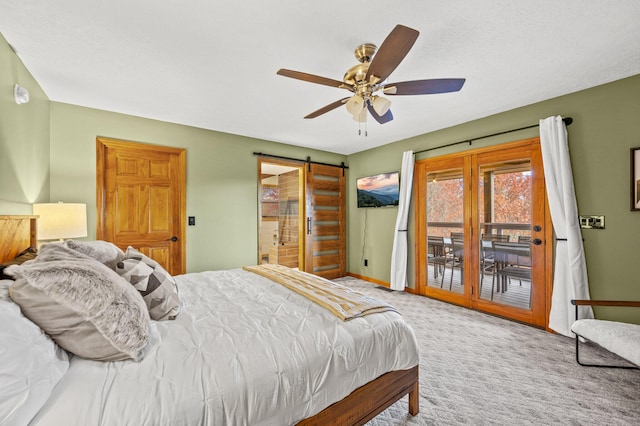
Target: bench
{"points": [[622, 339]]}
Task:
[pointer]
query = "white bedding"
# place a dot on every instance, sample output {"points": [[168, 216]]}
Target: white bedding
{"points": [[243, 350]]}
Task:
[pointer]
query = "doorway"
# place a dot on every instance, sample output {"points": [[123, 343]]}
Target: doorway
{"points": [[483, 224], [302, 216], [281, 207]]}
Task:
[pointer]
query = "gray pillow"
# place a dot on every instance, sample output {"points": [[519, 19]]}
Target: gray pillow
{"points": [[83, 305], [102, 251], [155, 284]]}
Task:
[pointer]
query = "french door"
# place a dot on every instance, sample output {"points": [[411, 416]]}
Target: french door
{"points": [[483, 228], [303, 216]]}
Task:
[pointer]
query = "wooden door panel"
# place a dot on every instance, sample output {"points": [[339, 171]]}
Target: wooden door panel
{"points": [[126, 196], [326, 216], [158, 169], [141, 199], [159, 253], [160, 210], [327, 245]]}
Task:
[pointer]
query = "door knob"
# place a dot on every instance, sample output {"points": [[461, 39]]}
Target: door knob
{"points": [[174, 239], [537, 241], [537, 228]]}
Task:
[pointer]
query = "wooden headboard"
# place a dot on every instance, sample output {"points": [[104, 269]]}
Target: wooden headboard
{"points": [[16, 234]]}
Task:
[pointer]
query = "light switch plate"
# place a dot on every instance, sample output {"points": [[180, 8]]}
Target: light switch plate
{"points": [[592, 222]]}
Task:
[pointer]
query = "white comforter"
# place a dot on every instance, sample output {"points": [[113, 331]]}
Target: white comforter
{"points": [[243, 350]]}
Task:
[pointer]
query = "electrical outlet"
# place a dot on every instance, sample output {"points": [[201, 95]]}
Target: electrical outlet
{"points": [[192, 220], [591, 222], [366, 262]]}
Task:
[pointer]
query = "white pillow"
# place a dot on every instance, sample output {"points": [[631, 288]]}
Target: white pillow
{"points": [[103, 251], [30, 363], [87, 308]]}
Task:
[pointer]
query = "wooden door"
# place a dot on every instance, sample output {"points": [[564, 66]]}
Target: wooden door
{"points": [[325, 236], [442, 186], [141, 199], [509, 202]]}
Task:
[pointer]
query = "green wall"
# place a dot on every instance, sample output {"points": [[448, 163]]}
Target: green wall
{"points": [[222, 173], [24, 138], [222, 177], [606, 125]]}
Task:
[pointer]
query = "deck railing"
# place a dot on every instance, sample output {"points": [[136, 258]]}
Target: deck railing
{"points": [[514, 230]]}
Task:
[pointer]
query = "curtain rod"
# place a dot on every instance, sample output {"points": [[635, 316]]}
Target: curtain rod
{"points": [[567, 121], [308, 161]]}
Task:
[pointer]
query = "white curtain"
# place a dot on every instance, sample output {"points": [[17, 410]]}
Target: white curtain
{"points": [[399, 253], [570, 275]]}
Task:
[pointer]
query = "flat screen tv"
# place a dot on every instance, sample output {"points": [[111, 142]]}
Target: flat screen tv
{"points": [[381, 190]]}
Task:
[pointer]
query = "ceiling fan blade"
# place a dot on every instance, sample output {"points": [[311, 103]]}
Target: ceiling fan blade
{"points": [[327, 108], [392, 51], [380, 118], [424, 87], [311, 78]]}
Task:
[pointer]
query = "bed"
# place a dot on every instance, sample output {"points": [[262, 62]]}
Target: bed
{"points": [[242, 350]]}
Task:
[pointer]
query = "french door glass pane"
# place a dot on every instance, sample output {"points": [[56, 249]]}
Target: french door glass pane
{"points": [[445, 232], [504, 207]]}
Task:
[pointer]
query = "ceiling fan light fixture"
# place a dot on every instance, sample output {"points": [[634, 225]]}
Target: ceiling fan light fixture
{"points": [[381, 105], [361, 117], [370, 76], [355, 105]]}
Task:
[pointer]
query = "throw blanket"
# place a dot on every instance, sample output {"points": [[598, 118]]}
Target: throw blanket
{"points": [[342, 302]]}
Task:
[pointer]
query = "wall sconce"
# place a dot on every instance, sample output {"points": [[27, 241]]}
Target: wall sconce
{"points": [[61, 220], [20, 94]]}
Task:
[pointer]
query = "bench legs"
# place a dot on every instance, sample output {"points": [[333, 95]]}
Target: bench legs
{"points": [[627, 367]]}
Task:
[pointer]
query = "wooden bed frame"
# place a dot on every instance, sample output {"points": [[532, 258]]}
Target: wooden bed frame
{"points": [[16, 234], [20, 232]]}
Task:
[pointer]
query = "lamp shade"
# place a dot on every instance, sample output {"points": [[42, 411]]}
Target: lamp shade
{"points": [[355, 105], [381, 105], [61, 220], [361, 117]]}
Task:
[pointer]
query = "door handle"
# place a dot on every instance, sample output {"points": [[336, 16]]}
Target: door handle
{"points": [[308, 226], [174, 239], [537, 241]]}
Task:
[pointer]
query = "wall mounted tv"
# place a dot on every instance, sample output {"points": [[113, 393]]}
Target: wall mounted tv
{"points": [[381, 190]]}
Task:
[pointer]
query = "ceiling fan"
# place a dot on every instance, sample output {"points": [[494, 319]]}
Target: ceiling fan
{"points": [[369, 78]]}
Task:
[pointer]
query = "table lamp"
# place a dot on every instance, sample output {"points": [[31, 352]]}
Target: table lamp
{"points": [[58, 221]]}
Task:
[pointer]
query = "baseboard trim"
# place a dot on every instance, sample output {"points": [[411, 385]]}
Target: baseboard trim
{"points": [[371, 280], [378, 282]]}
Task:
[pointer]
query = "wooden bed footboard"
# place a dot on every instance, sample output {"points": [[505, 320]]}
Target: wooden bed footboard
{"points": [[369, 400]]}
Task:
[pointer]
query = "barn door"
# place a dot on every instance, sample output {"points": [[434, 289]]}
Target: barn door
{"points": [[325, 228], [141, 199]]}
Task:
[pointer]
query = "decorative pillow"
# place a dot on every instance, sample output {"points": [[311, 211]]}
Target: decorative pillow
{"points": [[30, 363], [27, 254], [83, 305], [154, 283], [102, 251]]}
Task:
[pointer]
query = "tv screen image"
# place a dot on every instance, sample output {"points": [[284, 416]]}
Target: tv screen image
{"points": [[382, 190]]}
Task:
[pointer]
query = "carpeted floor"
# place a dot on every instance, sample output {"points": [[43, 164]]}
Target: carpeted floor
{"points": [[482, 370]]}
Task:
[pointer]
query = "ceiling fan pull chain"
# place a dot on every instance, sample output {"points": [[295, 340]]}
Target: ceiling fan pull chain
{"points": [[365, 127]]}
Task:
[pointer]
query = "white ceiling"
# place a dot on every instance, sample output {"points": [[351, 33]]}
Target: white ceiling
{"points": [[212, 64]]}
